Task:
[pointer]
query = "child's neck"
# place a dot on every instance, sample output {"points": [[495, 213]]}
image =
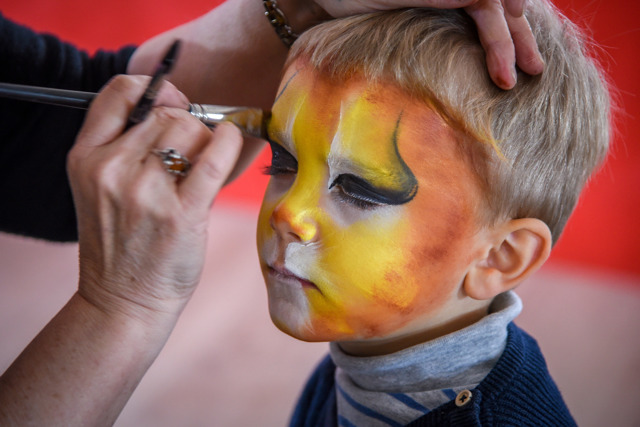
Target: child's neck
{"points": [[388, 345]]}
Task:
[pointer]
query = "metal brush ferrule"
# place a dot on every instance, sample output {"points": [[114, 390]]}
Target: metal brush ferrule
{"points": [[250, 120]]}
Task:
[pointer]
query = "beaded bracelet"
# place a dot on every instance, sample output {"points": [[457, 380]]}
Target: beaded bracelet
{"points": [[279, 22]]}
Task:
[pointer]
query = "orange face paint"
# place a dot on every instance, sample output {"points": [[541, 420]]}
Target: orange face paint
{"points": [[365, 226]]}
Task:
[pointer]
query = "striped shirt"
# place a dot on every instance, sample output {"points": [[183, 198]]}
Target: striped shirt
{"points": [[395, 389]]}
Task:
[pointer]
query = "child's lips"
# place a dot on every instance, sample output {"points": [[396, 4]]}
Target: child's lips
{"points": [[282, 274]]}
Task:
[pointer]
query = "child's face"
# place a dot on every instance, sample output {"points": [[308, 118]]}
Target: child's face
{"points": [[368, 224]]}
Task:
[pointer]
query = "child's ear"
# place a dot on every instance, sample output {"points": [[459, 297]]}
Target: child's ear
{"points": [[519, 248]]}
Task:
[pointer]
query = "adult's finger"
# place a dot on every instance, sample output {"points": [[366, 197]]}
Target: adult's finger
{"points": [[109, 112], [528, 55], [213, 166], [107, 116], [109, 162], [495, 37], [514, 7], [164, 128]]}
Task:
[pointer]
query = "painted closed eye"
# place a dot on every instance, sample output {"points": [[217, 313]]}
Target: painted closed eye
{"points": [[282, 162], [358, 192]]}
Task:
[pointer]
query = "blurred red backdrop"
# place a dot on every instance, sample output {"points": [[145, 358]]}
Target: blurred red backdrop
{"points": [[602, 234]]}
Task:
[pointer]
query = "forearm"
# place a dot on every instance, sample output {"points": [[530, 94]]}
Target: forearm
{"points": [[230, 56], [82, 367], [142, 242]]}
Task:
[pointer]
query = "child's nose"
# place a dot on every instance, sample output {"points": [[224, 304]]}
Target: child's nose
{"points": [[294, 218]]}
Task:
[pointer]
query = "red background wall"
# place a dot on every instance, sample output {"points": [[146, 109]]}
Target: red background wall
{"points": [[604, 231]]}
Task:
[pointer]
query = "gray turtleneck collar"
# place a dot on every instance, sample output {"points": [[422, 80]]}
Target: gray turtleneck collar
{"points": [[402, 386]]}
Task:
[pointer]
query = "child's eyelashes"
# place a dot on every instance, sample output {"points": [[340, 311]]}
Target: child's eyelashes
{"points": [[356, 200], [282, 162], [275, 170], [357, 192], [366, 195]]}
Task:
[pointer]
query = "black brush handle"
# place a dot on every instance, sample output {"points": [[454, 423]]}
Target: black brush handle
{"points": [[46, 95]]}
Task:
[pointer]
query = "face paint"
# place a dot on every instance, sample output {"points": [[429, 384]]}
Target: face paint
{"points": [[365, 227]]}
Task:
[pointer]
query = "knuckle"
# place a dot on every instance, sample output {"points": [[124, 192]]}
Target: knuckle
{"points": [[139, 207], [228, 135], [481, 8], [500, 48], [178, 119], [104, 176], [142, 203], [124, 87], [214, 170], [124, 83], [160, 214], [73, 161], [165, 113], [232, 130], [174, 114]]}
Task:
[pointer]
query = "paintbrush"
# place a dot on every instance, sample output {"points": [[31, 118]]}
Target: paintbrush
{"points": [[145, 104], [252, 121]]}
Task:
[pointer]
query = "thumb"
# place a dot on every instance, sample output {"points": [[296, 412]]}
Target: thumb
{"points": [[107, 116]]}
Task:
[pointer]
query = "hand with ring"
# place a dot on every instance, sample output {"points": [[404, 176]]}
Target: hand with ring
{"points": [[143, 198]]}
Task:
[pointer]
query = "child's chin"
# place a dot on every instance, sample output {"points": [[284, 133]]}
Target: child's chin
{"points": [[289, 310], [306, 332], [295, 327]]}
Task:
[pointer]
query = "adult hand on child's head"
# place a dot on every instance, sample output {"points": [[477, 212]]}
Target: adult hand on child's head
{"points": [[507, 39], [142, 231], [503, 29]]}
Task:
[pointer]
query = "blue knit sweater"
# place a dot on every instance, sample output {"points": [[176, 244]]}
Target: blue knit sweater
{"points": [[517, 392], [35, 138]]}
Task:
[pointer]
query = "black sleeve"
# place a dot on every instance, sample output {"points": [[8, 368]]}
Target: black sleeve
{"points": [[35, 198]]}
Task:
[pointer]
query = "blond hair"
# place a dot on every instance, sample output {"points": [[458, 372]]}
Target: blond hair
{"points": [[540, 141]]}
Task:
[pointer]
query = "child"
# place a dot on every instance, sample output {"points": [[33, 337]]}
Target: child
{"points": [[408, 197]]}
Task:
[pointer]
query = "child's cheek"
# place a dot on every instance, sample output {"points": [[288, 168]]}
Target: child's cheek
{"points": [[264, 231], [370, 284]]}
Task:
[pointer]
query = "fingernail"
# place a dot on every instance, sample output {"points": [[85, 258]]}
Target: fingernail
{"points": [[541, 63], [506, 83]]}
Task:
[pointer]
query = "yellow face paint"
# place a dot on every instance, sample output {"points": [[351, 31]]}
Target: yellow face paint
{"points": [[364, 226]]}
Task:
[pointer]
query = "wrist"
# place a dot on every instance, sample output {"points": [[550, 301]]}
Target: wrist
{"points": [[89, 361], [148, 331], [155, 314]]}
